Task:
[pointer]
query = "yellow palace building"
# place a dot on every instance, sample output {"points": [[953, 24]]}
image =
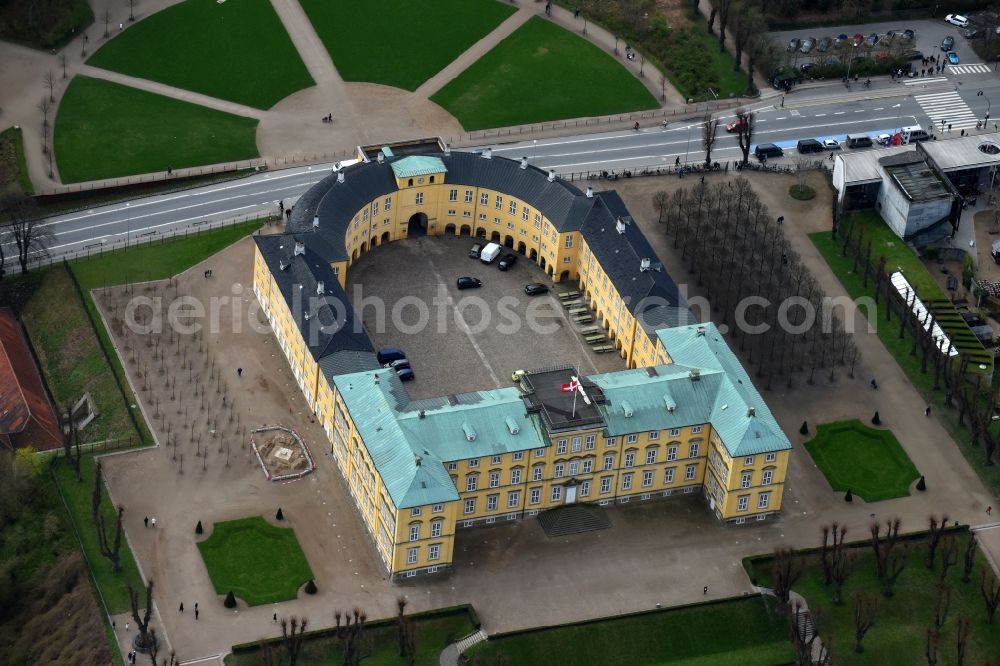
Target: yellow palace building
{"points": [[681, 417]]}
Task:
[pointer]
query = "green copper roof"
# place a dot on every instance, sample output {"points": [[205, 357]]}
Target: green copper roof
{"points": [[410, 441], [418, 165]]}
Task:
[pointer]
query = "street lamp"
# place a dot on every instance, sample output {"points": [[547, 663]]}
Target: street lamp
{"points": [[687, 147], [128, 223], [616, 44], [986, 120], [850, 62]]}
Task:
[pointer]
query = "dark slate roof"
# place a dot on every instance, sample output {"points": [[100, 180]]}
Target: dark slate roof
{"points": [[327, 321], [562, 203], [620, 256], [348, 361]]}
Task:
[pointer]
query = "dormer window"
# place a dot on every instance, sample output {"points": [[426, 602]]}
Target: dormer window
{"points": [[410, 183]]}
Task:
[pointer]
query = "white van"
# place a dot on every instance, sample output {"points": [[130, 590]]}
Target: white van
{"points": [[489, 253], [914, 134]]}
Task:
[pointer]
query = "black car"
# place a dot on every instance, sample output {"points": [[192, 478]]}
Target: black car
{"points": [[507, 261], [476, 249], [466, 282], [794, 43], [908, 35], [535, 289], [913, 54], [948, 43]]}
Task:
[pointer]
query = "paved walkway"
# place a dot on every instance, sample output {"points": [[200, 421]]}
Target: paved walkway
{"points": [[291, 131]]}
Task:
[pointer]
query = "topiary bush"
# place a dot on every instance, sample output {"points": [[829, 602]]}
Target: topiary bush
{"points": [[921, 484], [199, 529], [279, 515], [876, 420], [311, 587], [804, 430], [849, 497], [230, 601]]}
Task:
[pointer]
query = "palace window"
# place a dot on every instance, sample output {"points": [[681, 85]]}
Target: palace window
{"points": [[411, 555], [742, 502], [434, 551]]}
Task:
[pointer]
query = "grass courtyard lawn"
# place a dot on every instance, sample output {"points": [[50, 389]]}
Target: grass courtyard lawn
{"points": [[536, 74], [868, 462], [258, 562], [401, 43], [900, 349], [78, 494], [14, 177], [739, 632], [898, 636], [238, 51], [433, 630], [106, 130], [71, 358]]}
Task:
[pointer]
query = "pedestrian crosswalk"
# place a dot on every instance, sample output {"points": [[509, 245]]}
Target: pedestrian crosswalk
{"points": [[974, 68], [945, 109], [925, 80]]}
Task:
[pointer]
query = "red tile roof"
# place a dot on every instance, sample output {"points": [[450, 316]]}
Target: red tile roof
{"points": [[26, 415]]}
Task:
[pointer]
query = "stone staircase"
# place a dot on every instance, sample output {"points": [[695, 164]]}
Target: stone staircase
{"points": [[573, 519], [470, 640]]}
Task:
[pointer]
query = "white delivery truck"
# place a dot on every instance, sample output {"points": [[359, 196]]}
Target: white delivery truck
{"points": [[489, 253]]}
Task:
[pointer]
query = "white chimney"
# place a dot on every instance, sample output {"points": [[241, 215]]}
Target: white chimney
{"points": [[524, 162], [644, 264], [700, 331], [694, 374], [590, 193], [620, 226], [300, 248], [315, 221], [552, 176], [381, 157], [320, 288], [340, 176], [487, 154]]}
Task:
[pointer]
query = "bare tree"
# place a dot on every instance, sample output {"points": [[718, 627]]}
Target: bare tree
{"points": [[131, 7], [942, 604], [292, 632], [350, 634], [406, 632], [989, 587], [865, 608], [62, 61], [142, 621], [107, 20], [961, 638], [969, 558], [112, 549], [785, 571], [949, 555], [724, 6], [709, 132], [935, 533], [19, 217], [49, 80], [661, 203], [895, 562], [933, 638], [744, 132]]}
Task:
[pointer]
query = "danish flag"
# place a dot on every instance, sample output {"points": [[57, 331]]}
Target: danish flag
{"points": [[573, 385]]}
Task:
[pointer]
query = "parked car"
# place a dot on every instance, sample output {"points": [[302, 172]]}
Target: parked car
{"points": [[831, 144], [957, 19], [466, 282], [872, 39], [398, 364], [507, 261], [913, 54], [476, 249], [840, 41], [824, 45], [809, 146], [889, 36], [389, 354], [489, 253], [948, 43], [806, 66], [807, 44], [857, 39], [794, 43], [735, 125], [766, 150], [536, 289], [908, 35], [405, 374], [832, 60], [952, 57], [972, 34]]}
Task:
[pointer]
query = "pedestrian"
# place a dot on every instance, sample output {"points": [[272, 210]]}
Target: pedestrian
{"points": [[989, 511], [196, 606], [782, 101], [927, 410], [152, 521], [702, 179], [949, 127], [181, 609], [121, 26], [922, 71], [145, 521], [874, 384], [126, 625], [275, 618], [239, 372], [576, 14], [196, 613], [170, 170], [677, 162], [781, 219], [114, 626], [704, 590]]}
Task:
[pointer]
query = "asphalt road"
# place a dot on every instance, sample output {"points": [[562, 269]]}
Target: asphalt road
{"points": [[821, 110]]}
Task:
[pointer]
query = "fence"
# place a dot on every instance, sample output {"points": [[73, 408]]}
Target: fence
{"points": [[143, 239], [157, 177], [695, 168]]}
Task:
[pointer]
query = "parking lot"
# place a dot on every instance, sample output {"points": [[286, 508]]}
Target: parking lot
{"points": [[928, 35], [464, 340]]}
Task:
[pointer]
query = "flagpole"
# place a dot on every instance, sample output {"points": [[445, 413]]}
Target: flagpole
{"points": [[573, 381]]}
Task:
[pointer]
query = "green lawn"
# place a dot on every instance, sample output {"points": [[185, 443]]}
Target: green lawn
{"points": [[401, 43], [888, 333], [898, 636], [258, 562], [739, 632], [238, 51], [105, 130], [433, 631], [14, 177], [541, 72], [71, 358], [113, 586], [868, 462]]}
